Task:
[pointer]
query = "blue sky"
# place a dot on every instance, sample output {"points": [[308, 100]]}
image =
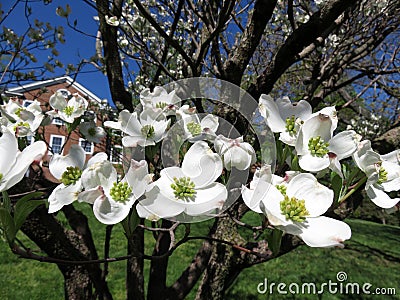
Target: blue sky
{"points": [[76, 47]]}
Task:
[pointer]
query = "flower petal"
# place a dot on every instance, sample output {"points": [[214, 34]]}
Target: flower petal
{"points": [[270, 111], [325, 232], [210, 122], [63, 195], [301, 109], [318, 198], [201, 164], [312, 163], [59, 163], [8, 150], [99, 174], [110, 212], [380, 198], [138, 177], [344, 144]]}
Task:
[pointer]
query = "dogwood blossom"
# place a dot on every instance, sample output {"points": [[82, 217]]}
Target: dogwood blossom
{"points": [[14, 163], [297, 209], [147, 129], [68, 170], [190, 189], [235, 152], [284, 117], [67, 110], [113, 199], [160, 99], [92, 132], [193, 128], [316, 147], [382, 175]]}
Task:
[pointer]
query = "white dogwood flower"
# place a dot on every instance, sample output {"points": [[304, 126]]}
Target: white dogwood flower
{"points": [[147, 129], [297, 209], [67, 110], [14, 163], [160, 99], [284, 117], [92, 132], [190, 189], [112, 199], [235, 152], [68, 170], [316, 147], [383, 174]]}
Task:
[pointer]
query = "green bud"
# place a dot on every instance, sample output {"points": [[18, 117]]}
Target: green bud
{"points": [[120, 191], [71, 175], [147, 131], [68, 110], [382, 175], [294, 209], [318, 147], [282, 188], [1, 176], [291, 125], [184, 189], [194, 128], [161, 105]]}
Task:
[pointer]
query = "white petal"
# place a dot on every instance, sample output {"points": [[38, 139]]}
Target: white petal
{"points": [[312, 163], [99, 174], [258, 191], [8, 150], [59, 163], [318, 198], [156, 204], [57, 101], [90, 195], [134, 141], [109, 212], [380, 198], [238, 158], [98, 158], [270, 205], [301, 109], [270, 111], [201, 164], [211, 122], [393, 156], [344, 144], [207, 199], [325, 232], [393, 176], [137, 177], [23, 161], [63, 195]]}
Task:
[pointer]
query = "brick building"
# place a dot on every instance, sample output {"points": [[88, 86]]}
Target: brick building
{"points": [[56, 134]]}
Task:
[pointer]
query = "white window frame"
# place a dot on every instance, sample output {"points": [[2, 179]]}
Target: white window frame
{"points": [[62, 142], [119, 158], [86, 141]]}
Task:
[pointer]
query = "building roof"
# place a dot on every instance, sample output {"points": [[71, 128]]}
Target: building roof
{"points": [[18, 90]]}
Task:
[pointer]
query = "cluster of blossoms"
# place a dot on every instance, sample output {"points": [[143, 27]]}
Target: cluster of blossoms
{"points": [[295, 203]]}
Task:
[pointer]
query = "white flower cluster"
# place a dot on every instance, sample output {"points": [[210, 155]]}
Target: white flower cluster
{"points": [[295, 203]]}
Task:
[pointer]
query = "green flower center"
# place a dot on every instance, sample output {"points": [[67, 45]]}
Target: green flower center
{"points": [[21, 124], [382, 175], [291, 125], [92, 131], [120, 191], [1, 176], [282, 188], [294, 209], [317, 146], [147, 131], [184, 188], [18, 111], [71, 175], [68, 110], [194, 128], [161, 105]]}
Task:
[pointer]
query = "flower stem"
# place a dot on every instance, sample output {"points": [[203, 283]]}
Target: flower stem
{"points": [[355, 188]]}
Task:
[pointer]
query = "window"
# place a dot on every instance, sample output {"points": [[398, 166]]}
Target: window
{"points": [[116, 154], [58, 121], [56, 143], [87, 146], [26, 103], [64, 92]]}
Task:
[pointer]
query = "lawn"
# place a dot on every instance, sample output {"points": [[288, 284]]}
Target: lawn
{"points": [[371, 256]]}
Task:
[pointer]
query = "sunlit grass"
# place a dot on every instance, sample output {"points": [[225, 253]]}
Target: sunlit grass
{"points": [[372, 255]]}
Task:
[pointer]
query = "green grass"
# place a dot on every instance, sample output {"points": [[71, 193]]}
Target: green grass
{"points": [[372, 255]]}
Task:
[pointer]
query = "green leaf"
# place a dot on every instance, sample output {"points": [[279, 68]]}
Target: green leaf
{"points": [[274, 240], [24, 207], [8, 225], [337, 184], [6, 201]]}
